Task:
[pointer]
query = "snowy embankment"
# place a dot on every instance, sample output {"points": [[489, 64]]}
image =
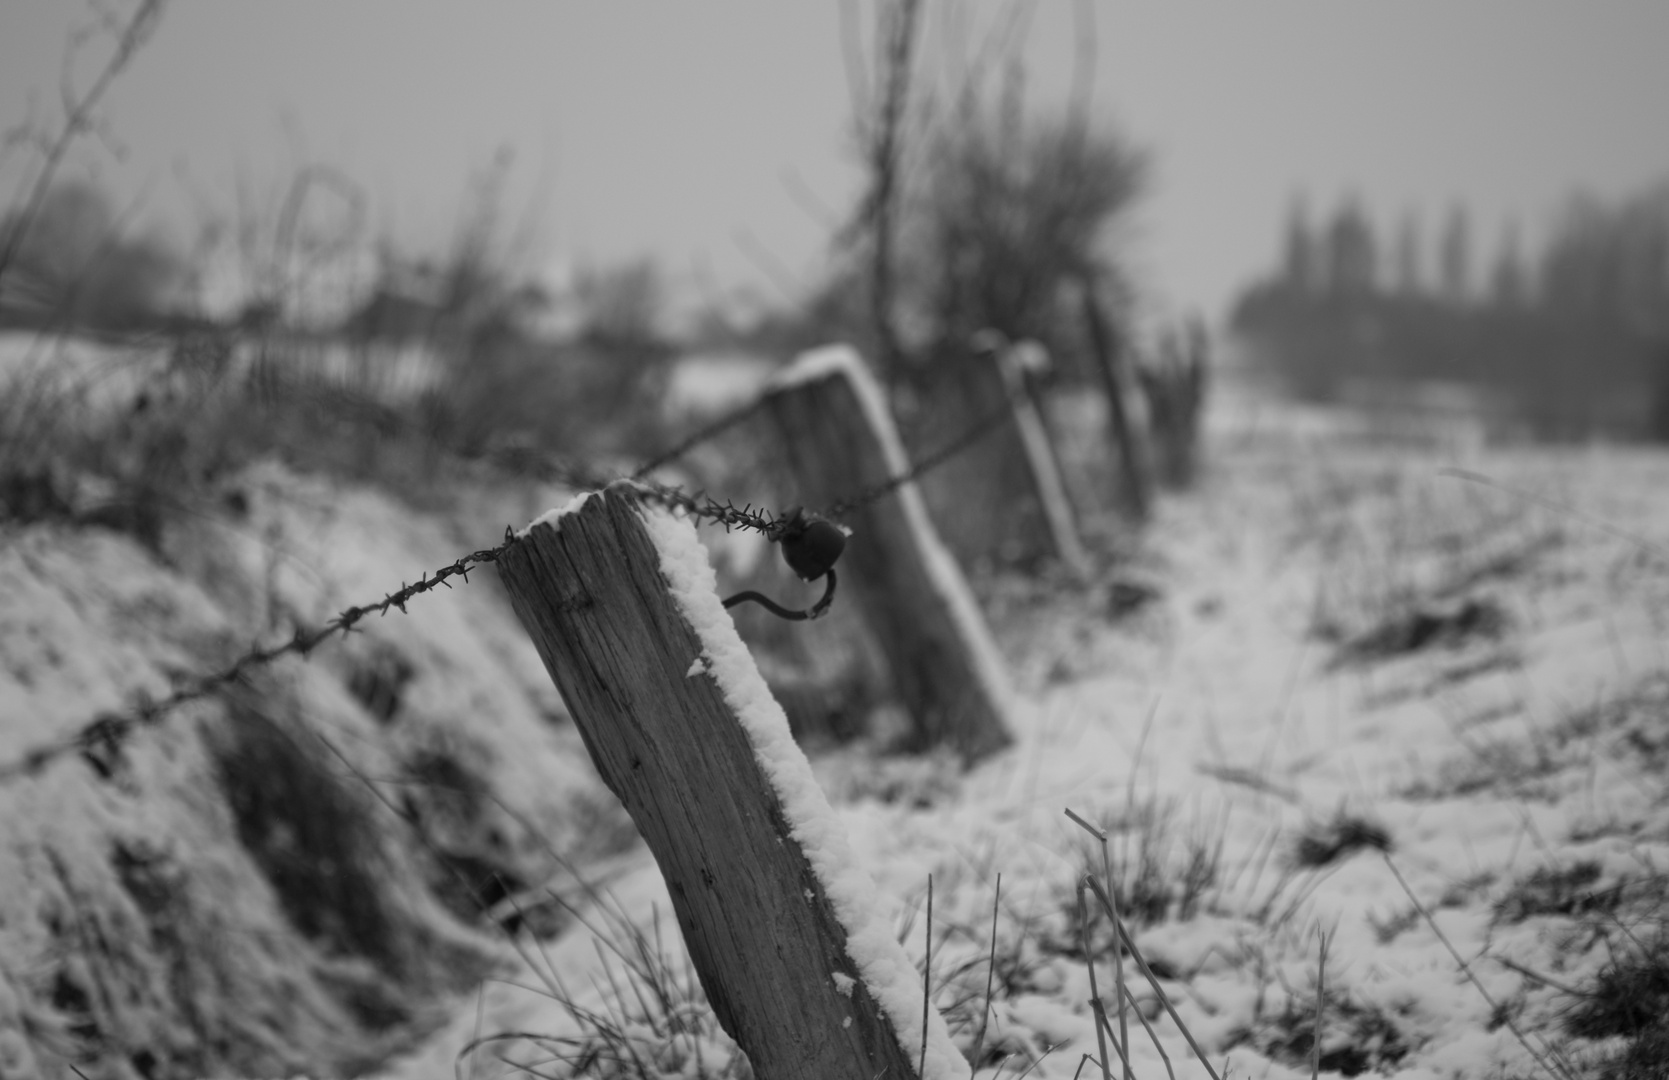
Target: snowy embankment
{"points": [[1331, 666], [1355, 668], [222, 894]]}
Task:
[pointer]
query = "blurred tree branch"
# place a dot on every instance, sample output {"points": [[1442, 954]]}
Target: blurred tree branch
{"points": [[881, 129], [78, 117]]}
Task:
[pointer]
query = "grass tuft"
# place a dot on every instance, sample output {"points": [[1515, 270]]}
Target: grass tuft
{"points": [[311, 834], [1428, 625], [1629, 999], [646, 1017], [1630, 996], [1358, 1038], [1567, 891], [1165, 870], [1325, 843]]}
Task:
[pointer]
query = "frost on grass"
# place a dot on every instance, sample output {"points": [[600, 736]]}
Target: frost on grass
{"points": [[886, 969], [216, 894]]}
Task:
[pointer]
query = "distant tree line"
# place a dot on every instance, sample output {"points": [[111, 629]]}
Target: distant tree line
{"points": [[1570, 343]]}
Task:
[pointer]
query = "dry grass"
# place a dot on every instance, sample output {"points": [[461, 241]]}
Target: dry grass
{"points": [[644, 1015]]}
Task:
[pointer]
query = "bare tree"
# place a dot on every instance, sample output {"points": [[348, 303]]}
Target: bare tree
{"points": [[979, 214], [1012, 216], [881, 132]]}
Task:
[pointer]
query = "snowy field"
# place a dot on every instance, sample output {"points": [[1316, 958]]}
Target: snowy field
{"points": [[1341, 692]]}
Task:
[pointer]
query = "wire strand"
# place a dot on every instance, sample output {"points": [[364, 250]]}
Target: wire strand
{"points": [[107, 731], [973, 434], [703, 435]]}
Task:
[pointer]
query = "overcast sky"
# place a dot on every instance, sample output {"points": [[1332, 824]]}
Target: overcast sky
{"points": [[714, 134]]}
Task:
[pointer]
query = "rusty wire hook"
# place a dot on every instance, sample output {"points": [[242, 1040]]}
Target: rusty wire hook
{"points": [[810, 546], [816, 611]]}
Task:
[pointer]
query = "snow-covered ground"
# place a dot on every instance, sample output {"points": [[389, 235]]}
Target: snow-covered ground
{"points": [[1344, 690], [1332, 670], [179, 901]]}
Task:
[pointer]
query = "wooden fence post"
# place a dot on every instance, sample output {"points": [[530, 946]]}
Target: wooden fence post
{"points": [[1048, 490], [1174, 386], [944, 665], [1001, 500], [1135, 493], [796, 963]]}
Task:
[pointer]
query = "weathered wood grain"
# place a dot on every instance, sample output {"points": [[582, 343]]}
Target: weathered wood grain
{"points": [[911, 593]]}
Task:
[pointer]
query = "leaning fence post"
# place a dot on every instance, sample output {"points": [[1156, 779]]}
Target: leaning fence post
{"points": [[797, 964], [1109, 347], [1048, 490], [944, 665]]}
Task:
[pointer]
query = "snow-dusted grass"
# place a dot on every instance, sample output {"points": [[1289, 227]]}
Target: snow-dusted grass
{"points": [[221, 894], [642, 1013], [1421, 718], [135, 436], [1304, 739]]}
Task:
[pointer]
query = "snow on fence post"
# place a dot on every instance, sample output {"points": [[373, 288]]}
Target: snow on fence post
{"points": [[799, 965], [1135, 489], [944, 666], [1047, 489]]}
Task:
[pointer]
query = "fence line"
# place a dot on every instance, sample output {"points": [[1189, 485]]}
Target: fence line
{"points": [[106, 732], [940, 660]]}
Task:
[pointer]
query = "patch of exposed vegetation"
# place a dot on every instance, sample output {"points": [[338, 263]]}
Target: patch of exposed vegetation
{"points": [[1568, 891], [1160, 869], [1327, 842], [1637, 721], [1629, 1000], [1631, 724], [310, 832], [1355, 1037], [1428, 626]]}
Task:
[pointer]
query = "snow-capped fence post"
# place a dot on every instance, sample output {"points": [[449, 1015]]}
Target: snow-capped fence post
{"points": [[944, 666], [1042, 467], [1135, 489], [797, 964]]}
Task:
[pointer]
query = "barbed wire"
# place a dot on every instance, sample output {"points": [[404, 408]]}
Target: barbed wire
{"points": [[101, 738], [105, 733], [697, 505], [973, 434], [107, 730], [704, 434]]}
